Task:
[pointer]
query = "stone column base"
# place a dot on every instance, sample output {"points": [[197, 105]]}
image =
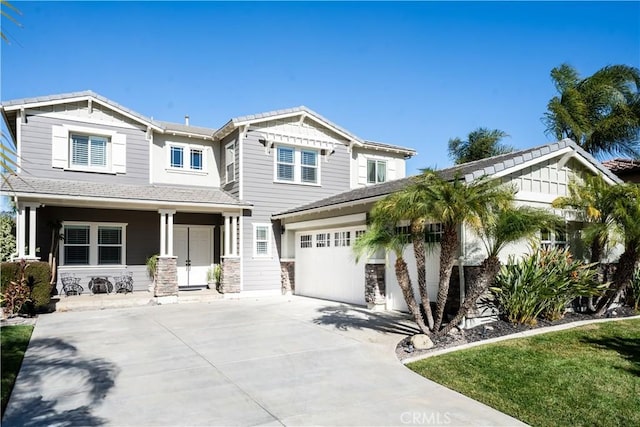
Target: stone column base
{"points": [[287, 277], [166, 284], [230, 275], [374, 287]]}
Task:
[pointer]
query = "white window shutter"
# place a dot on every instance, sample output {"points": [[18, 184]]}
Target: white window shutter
{"points": [[59, 147], [391, 169], [119, 153], [362, 170]]}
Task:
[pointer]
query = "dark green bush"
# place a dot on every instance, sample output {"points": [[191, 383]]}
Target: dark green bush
{"points": [[37, 276], [543, 284]]}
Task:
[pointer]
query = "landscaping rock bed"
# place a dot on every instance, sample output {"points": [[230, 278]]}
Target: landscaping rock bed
{"points": [[499, 328]]}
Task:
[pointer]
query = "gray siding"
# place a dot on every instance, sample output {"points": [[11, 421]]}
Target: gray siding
{"points": [[269, 198], [35, 148], [233, 187]]}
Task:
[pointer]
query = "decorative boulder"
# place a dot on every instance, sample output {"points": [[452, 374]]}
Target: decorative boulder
{"points": [[421, 342]]}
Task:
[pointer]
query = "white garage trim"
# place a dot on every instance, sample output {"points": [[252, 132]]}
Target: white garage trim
{"points": [[337, 221]]}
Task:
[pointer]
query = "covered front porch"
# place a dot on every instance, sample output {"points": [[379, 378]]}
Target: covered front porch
{"points": [[103, 246]]}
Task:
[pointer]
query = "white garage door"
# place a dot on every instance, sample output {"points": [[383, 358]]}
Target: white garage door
{"points": [[326, 267]]}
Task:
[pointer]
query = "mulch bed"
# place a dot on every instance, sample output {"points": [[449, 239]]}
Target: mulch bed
{"points": [[499, 328]]}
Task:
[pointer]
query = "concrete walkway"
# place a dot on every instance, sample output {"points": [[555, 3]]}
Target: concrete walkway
{"points": [[274, 361]]}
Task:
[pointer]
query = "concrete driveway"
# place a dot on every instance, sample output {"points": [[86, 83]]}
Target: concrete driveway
{"points": [[273, 361]]}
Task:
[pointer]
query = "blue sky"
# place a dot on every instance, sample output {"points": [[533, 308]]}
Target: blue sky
{"points": [[414, 74]]}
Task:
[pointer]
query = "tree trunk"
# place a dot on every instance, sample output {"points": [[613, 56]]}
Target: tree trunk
{"points": [[448, 249], [404, 280], [596, 251], [417, 233], [489, 269], [621, 278]]}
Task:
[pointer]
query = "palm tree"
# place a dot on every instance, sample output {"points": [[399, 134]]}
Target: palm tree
{"points": [[480, 144], [382, 235], [507, 225], [625, 214], [453, 203], [5, 14], [601, 112], [591, 199]]}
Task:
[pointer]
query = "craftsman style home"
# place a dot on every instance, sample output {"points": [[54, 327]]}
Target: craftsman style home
{"points": [[125, 187], [277, 198]]}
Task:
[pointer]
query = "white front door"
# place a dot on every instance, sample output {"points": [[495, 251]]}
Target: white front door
{"points": [[193, 245]]}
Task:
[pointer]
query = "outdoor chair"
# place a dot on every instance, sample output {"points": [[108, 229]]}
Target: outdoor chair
{"points": [[124, 283], [71, 284]]}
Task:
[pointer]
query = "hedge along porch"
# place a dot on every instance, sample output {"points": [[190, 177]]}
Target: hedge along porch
{"points": [[106, 239]]}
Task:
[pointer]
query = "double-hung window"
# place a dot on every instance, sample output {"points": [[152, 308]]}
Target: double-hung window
{"points": [[230, 162], [185, 157], [297, 165], [93, 244], [262, 240], [285, 164], [76, 244], [376, 171], [89, 151]]}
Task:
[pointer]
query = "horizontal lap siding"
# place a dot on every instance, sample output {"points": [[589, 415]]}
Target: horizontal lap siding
{"points": [[36, 149], [269, 198]]}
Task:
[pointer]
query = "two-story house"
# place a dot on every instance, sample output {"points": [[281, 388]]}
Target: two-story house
{"points": [[124, 187]]}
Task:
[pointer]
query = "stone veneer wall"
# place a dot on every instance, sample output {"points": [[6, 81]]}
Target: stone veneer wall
{"points": [[375, 286], [288, 276], [166, 283], [230, 275]]}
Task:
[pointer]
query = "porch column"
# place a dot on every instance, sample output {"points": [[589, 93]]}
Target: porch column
{"points": [[227, 232], [170, 233], [234, 235], [32, 231], [163, 238], [21, 222]]}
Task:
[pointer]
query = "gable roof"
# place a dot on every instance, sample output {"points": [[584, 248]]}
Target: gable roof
{"points": [[497, 166], [154, 195], [183, 129]]}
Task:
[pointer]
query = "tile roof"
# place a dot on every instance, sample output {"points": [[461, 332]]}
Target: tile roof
{"points": [[468, 171], [622, 165], [43, 187]]}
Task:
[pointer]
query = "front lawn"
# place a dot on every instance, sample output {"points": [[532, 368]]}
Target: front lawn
{"points": [[585, 376], [14, 341]]}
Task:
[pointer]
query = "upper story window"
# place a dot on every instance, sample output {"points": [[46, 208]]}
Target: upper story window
{"points": [[297, 165], [376, 171], [186, 157], [230, 162], [89, 151]]}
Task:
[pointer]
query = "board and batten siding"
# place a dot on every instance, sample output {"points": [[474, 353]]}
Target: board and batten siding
{"points": [[269, 197], [161, 172], [36, 147]]}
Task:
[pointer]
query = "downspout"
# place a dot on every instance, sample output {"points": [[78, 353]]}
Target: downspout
{"points": [[461, 259]]}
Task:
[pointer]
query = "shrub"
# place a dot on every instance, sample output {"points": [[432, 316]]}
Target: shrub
{"points": [[543, 284], [35, 276], [633, 294]]}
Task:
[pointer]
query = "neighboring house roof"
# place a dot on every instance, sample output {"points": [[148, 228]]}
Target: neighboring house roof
{"points": [[26, 186], [622, 165], [183, 129], [497, 165]]}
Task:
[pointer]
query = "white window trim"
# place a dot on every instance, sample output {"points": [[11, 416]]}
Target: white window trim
{"points": [[93, 244], [186, 158], [297, 165], [376, 162], [227, 163], [255, 240]]}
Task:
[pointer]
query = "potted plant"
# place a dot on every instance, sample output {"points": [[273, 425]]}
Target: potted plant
{"points": [[214, 277], [152, 265]]}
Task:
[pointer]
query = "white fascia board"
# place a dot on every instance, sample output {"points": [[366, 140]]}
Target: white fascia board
{"points": [[359, 218], [402, 151], [115, 202], [188, 134], [330, 207]]}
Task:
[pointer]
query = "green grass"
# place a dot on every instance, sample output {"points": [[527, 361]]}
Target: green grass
{"points": [[586, 376], [14, 341]]}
